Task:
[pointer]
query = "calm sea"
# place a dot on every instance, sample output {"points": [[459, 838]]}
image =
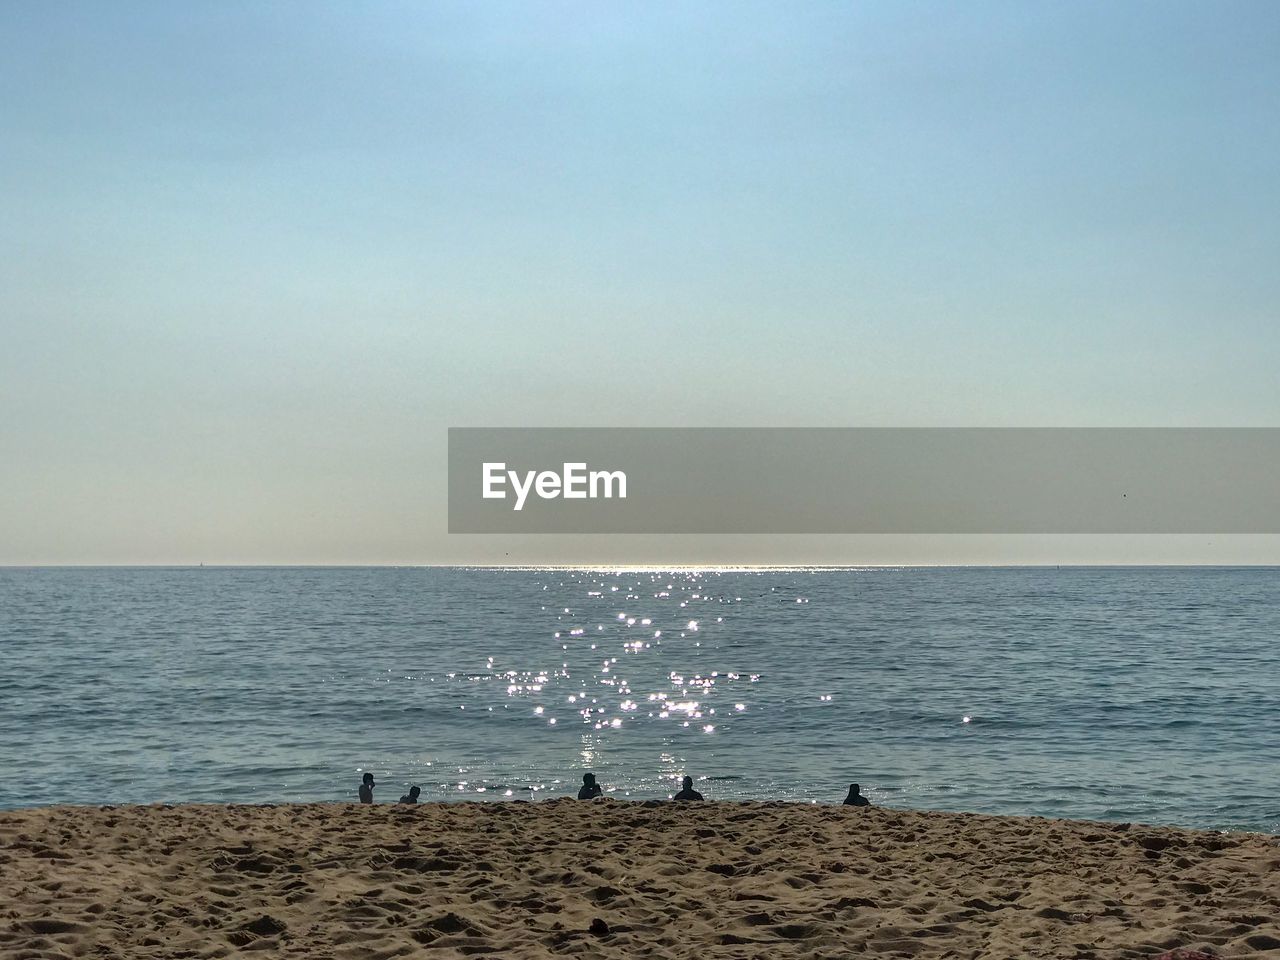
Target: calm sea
{"points": [[1146, 694]]}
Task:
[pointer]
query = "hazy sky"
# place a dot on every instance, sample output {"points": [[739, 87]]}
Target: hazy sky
{"points": [[255, 258]]}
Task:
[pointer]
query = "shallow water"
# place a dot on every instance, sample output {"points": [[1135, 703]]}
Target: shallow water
{"points": [[1149, 694]]}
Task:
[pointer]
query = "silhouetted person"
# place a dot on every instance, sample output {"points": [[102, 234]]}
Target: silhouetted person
{"points": [[856, 799], [687, 792], [412, 796], [366, 789], [590, 789]]}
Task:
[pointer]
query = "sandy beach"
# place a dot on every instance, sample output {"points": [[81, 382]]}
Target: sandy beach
{"points": [[621, 879]]}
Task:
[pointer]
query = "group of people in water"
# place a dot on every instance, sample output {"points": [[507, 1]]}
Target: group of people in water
{"points": [[591, 789]]}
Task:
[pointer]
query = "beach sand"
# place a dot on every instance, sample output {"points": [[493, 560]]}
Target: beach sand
{"points": [[621, 879]]}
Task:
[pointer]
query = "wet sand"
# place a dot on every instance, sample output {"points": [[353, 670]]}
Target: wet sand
{"points": [[617, 879]]}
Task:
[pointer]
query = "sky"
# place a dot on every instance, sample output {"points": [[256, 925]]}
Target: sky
{"points": [[256, 258]]}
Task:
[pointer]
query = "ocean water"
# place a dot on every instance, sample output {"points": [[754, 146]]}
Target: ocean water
{"points": [[1145, 694]]}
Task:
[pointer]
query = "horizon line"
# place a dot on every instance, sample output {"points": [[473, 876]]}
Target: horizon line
{"points": [[642, 565]]}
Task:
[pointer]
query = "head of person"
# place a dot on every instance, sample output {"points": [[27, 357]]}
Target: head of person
{"points": [[688, 783], [368, 780], [588, 779], [853, 789], [415, 792]]}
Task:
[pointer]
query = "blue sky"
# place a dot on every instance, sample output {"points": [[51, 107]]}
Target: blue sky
{"points": [[258, 256]]}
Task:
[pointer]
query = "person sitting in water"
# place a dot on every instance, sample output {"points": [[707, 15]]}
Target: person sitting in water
{"points": [[590, 789], [856, 799], [687, 792], [366, 789], [412, 796]]}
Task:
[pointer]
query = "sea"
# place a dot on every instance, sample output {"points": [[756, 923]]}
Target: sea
{"points": [[1145, 694]]}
